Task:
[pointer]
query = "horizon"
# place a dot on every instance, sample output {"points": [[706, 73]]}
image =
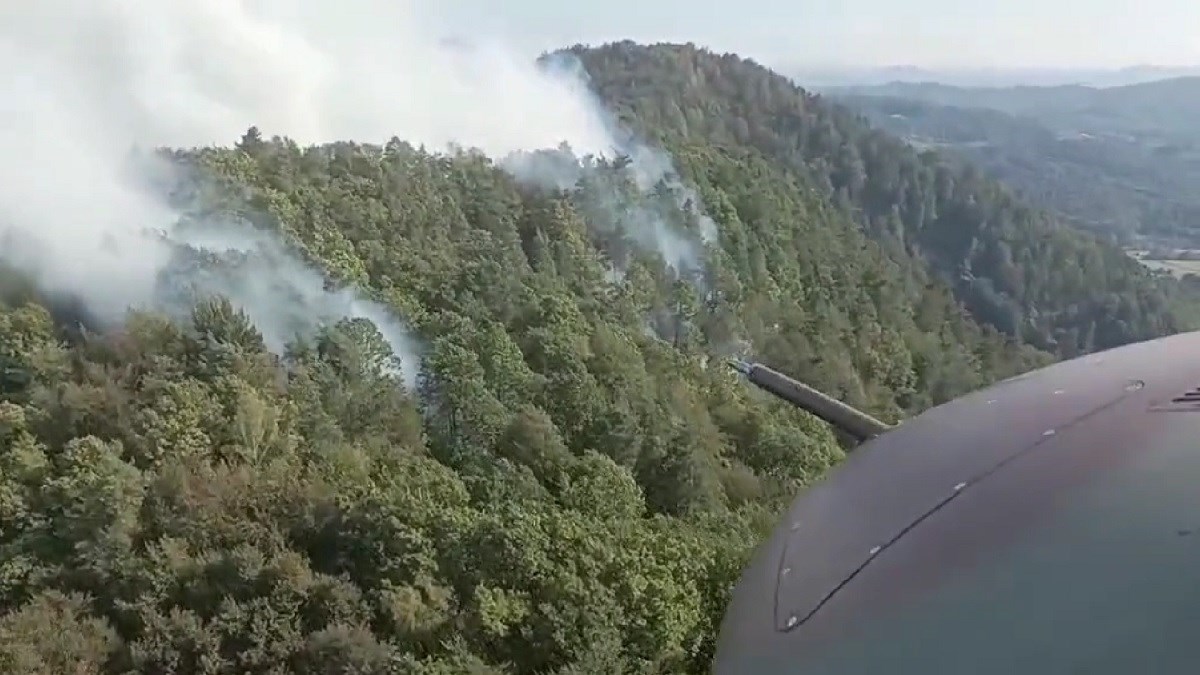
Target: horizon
{"points": [[987, 77], [1003, 69]]}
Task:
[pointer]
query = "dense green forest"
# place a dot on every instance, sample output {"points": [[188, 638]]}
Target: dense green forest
{"points": [[1142, 191], [1015, 267], [575, 480]]}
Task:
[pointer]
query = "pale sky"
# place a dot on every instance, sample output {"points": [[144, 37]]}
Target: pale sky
{"points": [[930, 33]]}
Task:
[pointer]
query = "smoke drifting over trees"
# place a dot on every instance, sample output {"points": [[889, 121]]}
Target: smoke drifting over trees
{"points": [[86, 82]]}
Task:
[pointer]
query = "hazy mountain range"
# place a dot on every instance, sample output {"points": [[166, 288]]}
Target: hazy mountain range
{"points": [[1120, 159], [819, 78]]}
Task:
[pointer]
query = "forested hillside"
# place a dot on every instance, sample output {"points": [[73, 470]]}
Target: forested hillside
{"points": [[575, 481], [1015, 267], [563, 490]]}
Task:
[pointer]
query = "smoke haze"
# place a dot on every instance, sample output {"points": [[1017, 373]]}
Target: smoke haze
{"points": [[83, 81]]}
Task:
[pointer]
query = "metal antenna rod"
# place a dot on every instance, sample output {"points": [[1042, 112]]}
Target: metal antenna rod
{"points": [[848, 419]]}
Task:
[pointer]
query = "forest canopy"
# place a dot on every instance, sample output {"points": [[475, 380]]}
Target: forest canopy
{"points": [[574, 481]]}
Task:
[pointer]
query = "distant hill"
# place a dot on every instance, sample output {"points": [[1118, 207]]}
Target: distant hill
{"points": [[1163, 112], [1104, 181], [818, 77]]}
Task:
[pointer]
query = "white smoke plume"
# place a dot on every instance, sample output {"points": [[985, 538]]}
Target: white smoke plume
{"points": [[652, 170], [293, 299], [83, 81]]}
